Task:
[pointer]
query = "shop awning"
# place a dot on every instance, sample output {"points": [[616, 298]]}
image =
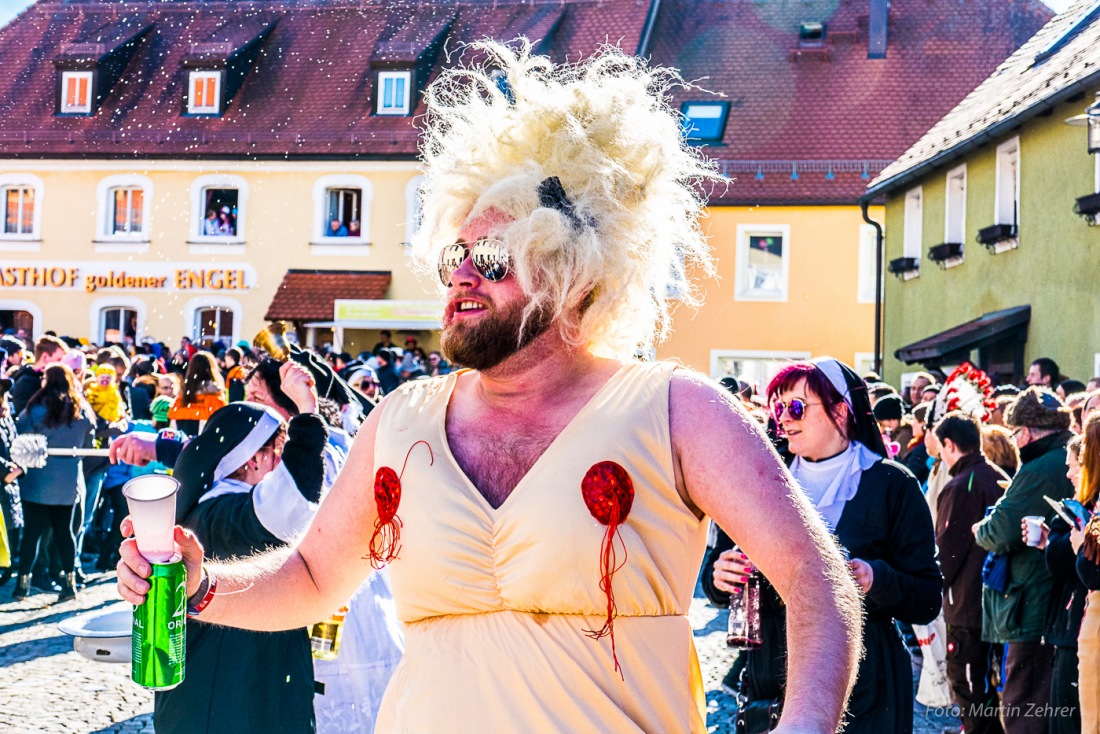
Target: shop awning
{"points": [[311, 295], [955, 344]]}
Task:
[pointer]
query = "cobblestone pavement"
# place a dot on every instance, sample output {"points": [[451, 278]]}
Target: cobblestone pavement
{"points": [[49, 688]]}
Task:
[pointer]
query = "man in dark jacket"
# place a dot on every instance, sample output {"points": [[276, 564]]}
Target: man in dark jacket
{"points": [[974, 486], [28, 379], [1017, 616]]}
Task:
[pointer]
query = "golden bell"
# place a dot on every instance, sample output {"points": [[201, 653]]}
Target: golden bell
{"points": [[273, 340]]}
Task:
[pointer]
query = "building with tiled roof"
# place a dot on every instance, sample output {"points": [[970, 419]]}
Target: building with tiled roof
{"points": [[808, 102], [989, 214], [192, 167]]}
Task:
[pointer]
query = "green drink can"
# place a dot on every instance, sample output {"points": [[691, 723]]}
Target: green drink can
{"points": [[159, 637]]}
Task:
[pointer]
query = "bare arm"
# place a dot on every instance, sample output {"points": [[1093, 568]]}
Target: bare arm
{"points": [[730, 472], [288, 588]]}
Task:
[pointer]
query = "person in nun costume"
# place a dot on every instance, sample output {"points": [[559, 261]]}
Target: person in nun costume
{"points": [[877, 513], [249, 482]]}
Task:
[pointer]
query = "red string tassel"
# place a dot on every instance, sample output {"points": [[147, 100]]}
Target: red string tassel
{"points": [[385, 542], [608, 494]]}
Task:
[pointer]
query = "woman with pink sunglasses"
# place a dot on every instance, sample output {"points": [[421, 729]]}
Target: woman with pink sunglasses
{"points": [[878, 515]]}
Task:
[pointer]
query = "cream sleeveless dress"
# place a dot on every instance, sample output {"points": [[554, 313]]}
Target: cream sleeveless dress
{"points": [[495, 603]]}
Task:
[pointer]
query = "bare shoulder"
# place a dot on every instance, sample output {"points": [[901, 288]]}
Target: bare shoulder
{"points": [[698, 406], [720, 451]]}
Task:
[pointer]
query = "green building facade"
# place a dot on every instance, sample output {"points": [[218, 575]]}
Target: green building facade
{"points": [[1005, 156]]}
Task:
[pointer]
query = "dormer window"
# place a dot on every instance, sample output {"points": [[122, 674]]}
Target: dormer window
{"points": [[393, 92], [704, 122], [205, 89], [76, 92], [811, 34]]}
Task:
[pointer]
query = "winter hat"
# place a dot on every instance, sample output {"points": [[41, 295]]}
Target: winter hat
{"points": [[104, 369], [889, 408], [12, 344], [77, 362], [159, 408], [1038, 407], [230, 438]]}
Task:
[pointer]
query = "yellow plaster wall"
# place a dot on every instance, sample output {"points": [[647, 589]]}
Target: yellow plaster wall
{"points": [[278, 231], [822, 314]]}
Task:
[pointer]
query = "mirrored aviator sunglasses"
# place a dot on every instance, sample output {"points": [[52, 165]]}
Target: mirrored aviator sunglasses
{"points": [[795, 408], [489, 257]]}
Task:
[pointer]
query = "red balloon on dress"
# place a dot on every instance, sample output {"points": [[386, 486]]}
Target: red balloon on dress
{"points": [[609, 494]]}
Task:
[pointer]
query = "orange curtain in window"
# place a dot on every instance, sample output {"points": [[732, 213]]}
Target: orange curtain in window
{"points": [[11, 211], [198, 93], [136, 200], [76, 93], [203, 92], [28, 211]]}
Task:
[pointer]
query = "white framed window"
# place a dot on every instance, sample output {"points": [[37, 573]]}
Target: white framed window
{"points": [[117, 319], [753, 366], [914, 232], [1007, 197], [413, 208], [21, 195], [219, 203], [868, 245], [341, 215], [394, 90], [123, 208], [204, 93], [212, 318], [25, 315], [76, 92], [763, 262], [954, 220]]}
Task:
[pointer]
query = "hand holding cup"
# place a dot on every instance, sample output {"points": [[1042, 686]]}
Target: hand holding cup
{"points": [[1035, 531]]}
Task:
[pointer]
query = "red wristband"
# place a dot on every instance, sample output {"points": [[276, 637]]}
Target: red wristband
{"points": [[194, 610]]}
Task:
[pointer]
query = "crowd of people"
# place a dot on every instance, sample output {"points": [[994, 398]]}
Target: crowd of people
{"points": [[1020, 615], [541, 517], [146, 405], [80, 395]]}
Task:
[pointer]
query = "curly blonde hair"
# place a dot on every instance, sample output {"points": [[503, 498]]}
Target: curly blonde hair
{"points": [[607, 264]]}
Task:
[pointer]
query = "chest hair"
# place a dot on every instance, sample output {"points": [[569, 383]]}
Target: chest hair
{"points": [[496, 458]]}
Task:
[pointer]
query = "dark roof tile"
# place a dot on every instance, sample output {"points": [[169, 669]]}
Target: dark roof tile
{"points": [[1056, 63], [308, 93], [839, 107]]}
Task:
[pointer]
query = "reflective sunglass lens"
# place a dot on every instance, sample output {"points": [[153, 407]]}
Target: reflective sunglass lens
{"points": [[798, 409], [490, 259], [450, 260]]}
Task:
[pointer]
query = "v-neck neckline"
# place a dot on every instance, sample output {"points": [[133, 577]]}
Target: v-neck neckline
{"points": [[468, 483]]}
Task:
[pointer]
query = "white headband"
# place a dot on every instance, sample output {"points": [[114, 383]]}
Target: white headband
{"points": [[830, 366], [247, 448]]}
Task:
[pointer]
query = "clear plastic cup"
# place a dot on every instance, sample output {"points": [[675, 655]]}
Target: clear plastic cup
{"points": [[152, 502]]}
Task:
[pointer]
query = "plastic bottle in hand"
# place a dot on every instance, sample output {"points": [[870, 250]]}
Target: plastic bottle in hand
{"points": [[324, 639], [744, 620]]}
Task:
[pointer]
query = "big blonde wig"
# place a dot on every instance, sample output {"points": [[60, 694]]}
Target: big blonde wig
{"points": [[606, 264]]}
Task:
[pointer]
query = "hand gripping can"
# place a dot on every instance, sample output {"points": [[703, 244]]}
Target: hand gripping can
{"points": [[160, 629]]}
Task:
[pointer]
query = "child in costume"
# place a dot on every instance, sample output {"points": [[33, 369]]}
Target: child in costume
{"points": [[103, 394]]}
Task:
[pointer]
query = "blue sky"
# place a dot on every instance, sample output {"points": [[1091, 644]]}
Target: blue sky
{"points": [[9, 8]]}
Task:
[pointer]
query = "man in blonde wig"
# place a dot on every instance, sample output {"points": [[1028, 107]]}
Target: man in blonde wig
{"points": [[543, 513]]}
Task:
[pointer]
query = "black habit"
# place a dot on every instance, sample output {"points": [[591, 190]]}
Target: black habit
{"points": [[887, 524]]}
